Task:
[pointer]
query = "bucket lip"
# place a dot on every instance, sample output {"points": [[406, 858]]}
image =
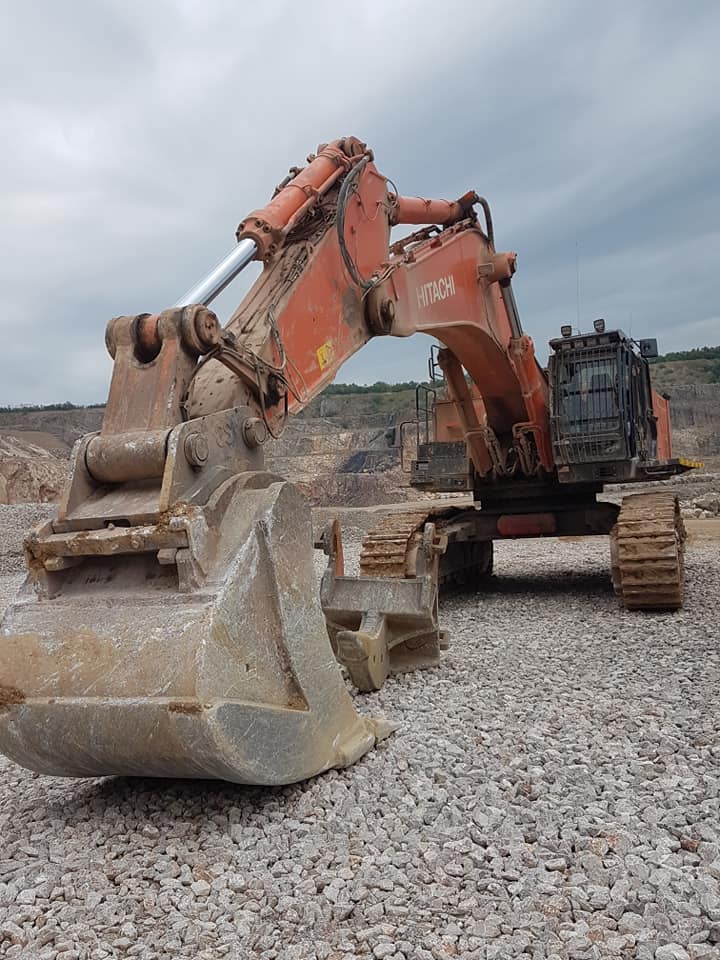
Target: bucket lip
{"points": [[278, 745], [182, 706]]}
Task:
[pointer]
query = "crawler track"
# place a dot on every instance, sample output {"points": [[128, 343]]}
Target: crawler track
{"points": [[647, 552], [391, 549]]}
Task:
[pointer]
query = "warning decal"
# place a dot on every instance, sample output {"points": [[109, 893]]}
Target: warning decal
{"points": [[325, 355]]}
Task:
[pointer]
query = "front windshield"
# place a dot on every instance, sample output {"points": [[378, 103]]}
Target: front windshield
{"points": [[588, 393]]}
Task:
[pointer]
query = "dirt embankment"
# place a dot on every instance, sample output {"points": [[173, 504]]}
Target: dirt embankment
{"points": [[343, 449], [31, 470], [35, 448], [344, 459], [695, 417]]}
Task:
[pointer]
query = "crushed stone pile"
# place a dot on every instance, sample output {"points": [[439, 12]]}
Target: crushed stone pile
{"points": [[552, 792]]}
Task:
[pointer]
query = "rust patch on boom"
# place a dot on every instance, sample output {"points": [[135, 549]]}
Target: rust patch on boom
{"points": [[179, 706], [10, 696]]}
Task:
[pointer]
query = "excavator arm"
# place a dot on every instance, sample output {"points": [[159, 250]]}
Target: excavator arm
{"points": [[332, 281], [169, 625]]}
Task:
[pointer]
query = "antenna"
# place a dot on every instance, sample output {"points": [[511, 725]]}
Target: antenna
{"points": [[577, 278]]}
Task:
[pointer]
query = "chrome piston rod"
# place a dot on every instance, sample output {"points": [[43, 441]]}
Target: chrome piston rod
{"points": [[220, 276]]}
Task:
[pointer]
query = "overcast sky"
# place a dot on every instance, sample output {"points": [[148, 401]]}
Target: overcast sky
{"points": [[136, 135]]}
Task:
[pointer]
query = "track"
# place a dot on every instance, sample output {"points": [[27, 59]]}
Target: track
{"points": [[646, 549], [647, 552], [391, 548]]}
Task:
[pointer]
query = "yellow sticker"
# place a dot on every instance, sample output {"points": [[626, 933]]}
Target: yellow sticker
{"points": [[325, 355]]}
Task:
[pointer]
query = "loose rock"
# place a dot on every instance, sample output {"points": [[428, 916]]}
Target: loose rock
{"points": [[551, 792]]}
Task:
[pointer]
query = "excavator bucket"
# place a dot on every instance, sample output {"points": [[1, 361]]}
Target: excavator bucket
{"points": [[192, 647], [170, 624]]}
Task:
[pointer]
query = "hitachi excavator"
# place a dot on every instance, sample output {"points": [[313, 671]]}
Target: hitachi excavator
{"points": [[170, 623]]}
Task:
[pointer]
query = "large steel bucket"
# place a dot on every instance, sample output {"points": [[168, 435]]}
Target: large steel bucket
{"points": [[121, 672]]}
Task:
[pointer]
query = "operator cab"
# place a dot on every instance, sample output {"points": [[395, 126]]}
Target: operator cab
{"points": [[604, 413]]}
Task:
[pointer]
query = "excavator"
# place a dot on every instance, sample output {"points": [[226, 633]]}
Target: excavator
{"points": [[170, 623]]}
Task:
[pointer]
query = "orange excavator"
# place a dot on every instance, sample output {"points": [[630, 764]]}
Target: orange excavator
{"points": [[170, 623]]}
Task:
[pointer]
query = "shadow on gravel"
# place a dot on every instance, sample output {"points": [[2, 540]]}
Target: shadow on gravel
{"points": [[151, 789], [198, 797], [554, 583]]}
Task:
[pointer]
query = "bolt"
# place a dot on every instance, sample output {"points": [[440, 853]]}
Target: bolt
{"points": [[207, 328], [196, 449], [254, 432]]}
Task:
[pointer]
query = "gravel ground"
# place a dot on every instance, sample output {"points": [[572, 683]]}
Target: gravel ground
{"points": [[15, 521], [552, 791]]}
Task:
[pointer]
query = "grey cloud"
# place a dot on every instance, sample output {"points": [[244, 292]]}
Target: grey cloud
{"points": [[137, 135]]}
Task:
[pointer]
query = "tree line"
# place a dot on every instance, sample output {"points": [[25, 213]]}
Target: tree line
{"points": [[697, 353], [380, 386], [45, 407]]}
